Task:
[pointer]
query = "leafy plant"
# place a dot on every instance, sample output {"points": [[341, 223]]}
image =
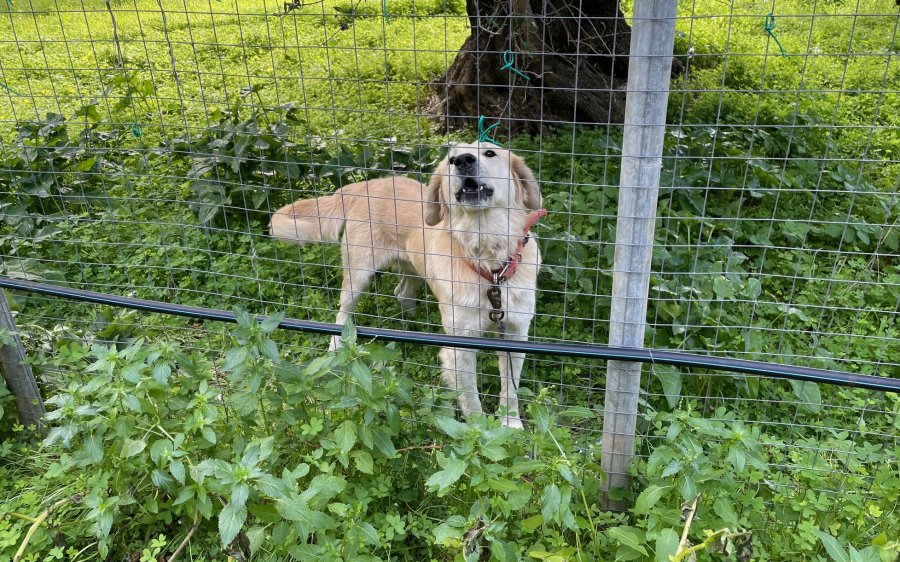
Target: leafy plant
{"points": [[250, 161]]}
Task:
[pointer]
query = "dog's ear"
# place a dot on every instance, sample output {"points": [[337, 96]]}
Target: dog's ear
{"points": [[526, 183], [435, 206]]}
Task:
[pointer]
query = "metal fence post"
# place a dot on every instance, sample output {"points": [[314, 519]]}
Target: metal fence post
{"points": [[650, 64], [19, 377]]}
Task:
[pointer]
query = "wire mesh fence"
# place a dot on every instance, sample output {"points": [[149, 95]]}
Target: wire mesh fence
{"points": [[146, 145]]}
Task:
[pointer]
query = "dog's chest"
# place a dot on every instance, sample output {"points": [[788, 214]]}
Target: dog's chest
{"points": [[488, 251]]}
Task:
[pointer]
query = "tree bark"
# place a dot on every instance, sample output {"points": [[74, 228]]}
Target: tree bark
{"points": [[573, 52]]}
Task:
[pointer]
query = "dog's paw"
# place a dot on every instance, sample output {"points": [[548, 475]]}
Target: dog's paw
{"points": [[513, 421]]}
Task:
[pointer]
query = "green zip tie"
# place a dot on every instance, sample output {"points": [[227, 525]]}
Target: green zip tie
{"points": [[509, 59], [483, 133], [769, 26], [10, 90], [384, 11]]}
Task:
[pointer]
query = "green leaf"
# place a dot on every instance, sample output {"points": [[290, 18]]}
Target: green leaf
{"points": [[443, 479], [869, 554], [295, 509], [186, 494], [307, 552], [649, 497], [833, 547], [724, 509], [670, 377], [244, 319], [235, 357], [132, 447], [324, 487], [160, 448], [631, 537], [345, 436], [550, 500], [239, 494], [176, 469], [666, 545], [723, 288], [533, 523], [209, 434], [362, 375], [809, 394], [737, 457], [383, 442], [319, 365], [451, 427], [271, 486], [131, 402], [363, 462], [348, 334], [577, 413], [256, 535], [231, 519], [450, 532], [161, 372], [271, 323], [369, 534]]}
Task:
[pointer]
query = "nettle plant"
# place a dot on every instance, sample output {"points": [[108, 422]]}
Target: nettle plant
{"points": [[722, 475], [253, 154], [153, 449], [338, 458]]}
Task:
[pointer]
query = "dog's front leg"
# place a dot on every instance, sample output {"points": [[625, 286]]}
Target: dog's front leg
{"points": [[458, 373], [510, 373], [458, 365]]}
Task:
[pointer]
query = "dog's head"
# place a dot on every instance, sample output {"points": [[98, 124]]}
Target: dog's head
{"points": [[479, 176]]}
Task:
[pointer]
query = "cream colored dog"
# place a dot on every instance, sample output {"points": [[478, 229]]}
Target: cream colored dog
{"points": [[463, 233]]}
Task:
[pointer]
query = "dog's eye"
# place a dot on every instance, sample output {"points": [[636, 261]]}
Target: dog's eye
{"points": [[490, 153]]}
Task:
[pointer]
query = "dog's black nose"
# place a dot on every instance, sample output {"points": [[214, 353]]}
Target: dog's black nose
{"points": [[462, 160]]}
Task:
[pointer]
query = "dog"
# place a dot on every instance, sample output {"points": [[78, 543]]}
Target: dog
{"points": [[466, 234]]}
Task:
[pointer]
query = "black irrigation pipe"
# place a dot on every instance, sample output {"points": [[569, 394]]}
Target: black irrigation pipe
{"points": [[590, 351]]}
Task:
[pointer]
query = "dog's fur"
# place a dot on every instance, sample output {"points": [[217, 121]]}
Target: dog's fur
{"points": [[474, 210]]}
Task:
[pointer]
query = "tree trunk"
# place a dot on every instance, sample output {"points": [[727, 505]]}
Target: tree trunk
{"points": [[573, 52]]}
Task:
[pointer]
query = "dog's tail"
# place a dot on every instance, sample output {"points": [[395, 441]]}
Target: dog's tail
{"points": [[310, 220]]}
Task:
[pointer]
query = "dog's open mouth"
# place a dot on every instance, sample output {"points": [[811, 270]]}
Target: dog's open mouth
{"points": [[473, 191]]}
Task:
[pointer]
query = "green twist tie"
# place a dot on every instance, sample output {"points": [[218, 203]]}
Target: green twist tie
{"points": [[137, 130], [769, 26], [509, 59], [483, 133], [10, 90], [384, 11]]}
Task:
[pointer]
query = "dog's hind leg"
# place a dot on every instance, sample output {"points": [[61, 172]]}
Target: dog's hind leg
{"points": [[407, 291], [355, 283], [358, 275]]}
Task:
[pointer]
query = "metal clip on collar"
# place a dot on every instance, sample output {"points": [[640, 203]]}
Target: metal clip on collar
{"points": [[494, 296]]}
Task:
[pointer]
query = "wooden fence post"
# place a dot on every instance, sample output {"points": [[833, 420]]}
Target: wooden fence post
{"points": [[650, 65], [19, 377]]}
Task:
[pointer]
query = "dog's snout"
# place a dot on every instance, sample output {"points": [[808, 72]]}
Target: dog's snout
{"points": [[463, 160]]}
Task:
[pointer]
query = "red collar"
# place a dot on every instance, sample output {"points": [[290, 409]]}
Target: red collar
{"points": [[508, 269]]}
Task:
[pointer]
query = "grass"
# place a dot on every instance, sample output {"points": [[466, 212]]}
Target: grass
{"points": [[365, 81]]}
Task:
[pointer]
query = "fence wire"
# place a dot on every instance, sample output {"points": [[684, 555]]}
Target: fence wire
{"points": [[146, 144]]}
